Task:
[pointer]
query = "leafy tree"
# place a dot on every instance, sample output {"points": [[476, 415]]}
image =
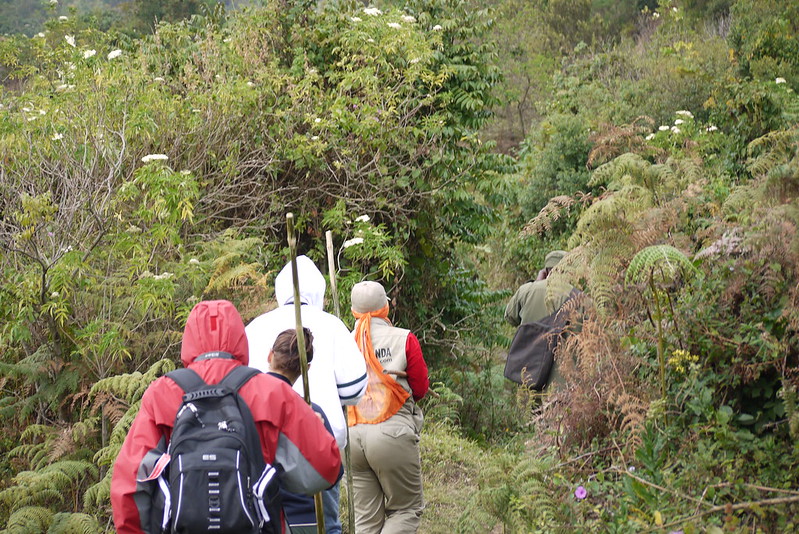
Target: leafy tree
{"points": [[764, 38]]}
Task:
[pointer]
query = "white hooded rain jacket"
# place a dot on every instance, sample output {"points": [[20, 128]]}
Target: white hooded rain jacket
{"points": [[337, 374]]}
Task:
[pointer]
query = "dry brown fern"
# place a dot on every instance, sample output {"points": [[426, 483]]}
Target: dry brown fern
{"points": [[613, 141], [601, 394], [556, 208]]}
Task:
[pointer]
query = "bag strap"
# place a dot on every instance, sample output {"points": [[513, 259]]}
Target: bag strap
{"points": [[190, 381], [187, 379], [237, 377]]}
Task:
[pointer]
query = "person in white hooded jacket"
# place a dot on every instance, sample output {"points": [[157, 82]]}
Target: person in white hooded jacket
{"points": [[338, 375]]}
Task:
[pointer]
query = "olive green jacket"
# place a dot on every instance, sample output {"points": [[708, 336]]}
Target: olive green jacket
{"points": [[529, 304]]}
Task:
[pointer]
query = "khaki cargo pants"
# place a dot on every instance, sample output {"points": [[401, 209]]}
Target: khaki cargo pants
{"points": [[387, 474]]}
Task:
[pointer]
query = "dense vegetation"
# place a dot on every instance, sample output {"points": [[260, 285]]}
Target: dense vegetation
{"points": [[447, 148]]}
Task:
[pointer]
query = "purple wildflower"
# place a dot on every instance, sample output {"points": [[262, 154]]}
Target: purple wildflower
{"points": [[580, 493]]}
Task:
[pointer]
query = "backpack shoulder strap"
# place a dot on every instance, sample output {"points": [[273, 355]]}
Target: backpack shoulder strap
{"points": [[238, 377], [187, 379]]}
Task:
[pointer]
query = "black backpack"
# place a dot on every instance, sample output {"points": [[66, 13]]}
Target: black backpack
{"points": [[531, 355], [218, 480]]}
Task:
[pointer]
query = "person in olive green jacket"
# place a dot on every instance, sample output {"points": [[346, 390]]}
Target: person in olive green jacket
{"points": [[530, 304]]}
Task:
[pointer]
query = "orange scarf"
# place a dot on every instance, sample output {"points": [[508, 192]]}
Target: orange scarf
{"points": [[384, 396]]}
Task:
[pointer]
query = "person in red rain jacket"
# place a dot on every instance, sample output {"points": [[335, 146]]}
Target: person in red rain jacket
{"points": [[291, 433]]}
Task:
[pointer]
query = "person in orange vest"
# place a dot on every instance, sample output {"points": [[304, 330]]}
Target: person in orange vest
{"points": [[386, 423]]}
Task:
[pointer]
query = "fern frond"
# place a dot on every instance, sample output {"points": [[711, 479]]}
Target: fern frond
{"points": [[74, 523], [687, 171], [29, 520], [619, 171], [231, 267], [120, 430], [514, 491], [633, 411], [605, 268], [741, 200], [36, 454], [62, 445], [775, 148], [444, 405], [50, 484], [610, 212], [614, 141], [554, 210], [234, 276], [98, 496], [131, 387], [659, 263]]}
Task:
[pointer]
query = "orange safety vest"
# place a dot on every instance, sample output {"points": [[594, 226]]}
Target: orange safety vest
{"points": [[384, 396]]}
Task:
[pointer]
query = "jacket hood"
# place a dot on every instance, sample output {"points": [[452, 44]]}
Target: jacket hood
{"points": [[214, 325], [312, 284]]}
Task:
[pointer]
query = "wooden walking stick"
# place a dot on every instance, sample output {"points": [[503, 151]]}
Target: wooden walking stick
{"points": [[331, 267], [317, 498]]}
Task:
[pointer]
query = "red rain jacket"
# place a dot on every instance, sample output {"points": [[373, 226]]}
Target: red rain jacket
{"points": [[307, 451]]}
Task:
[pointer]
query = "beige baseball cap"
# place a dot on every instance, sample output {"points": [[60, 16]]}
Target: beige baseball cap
{"points": [[367, 297]]}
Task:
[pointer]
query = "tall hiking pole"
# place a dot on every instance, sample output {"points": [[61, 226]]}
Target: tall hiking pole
{"points": [[331, 267], [317, 498]]}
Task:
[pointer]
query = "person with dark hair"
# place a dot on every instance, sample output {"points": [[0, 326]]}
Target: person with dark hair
{"points": [[214, 345], [338, 376], [386, 423], [284, 364]]}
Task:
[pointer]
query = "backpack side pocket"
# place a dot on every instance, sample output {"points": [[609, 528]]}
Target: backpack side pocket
{"points": [[152, 495], [268, 504]]}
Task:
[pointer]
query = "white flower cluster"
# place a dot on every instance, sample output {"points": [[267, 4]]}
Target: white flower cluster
{"points": [[350, 242], [362, 218], [154, 157], [780, 80], [114, 54], [372, 11], [408, 18], [88, 53], [395, 25]]}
